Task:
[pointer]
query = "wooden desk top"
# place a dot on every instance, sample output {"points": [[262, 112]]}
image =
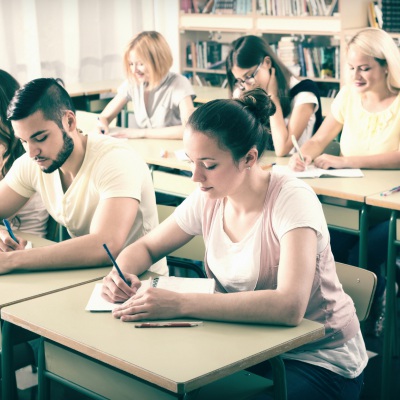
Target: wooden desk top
{"points": [[208, 93], [160, 152], [356, 189], [211, 351], [391, 202], [91, 88], [20, 286]]}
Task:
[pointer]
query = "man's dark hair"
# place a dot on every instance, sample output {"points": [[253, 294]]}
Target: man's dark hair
{"points": [[44, 94]]}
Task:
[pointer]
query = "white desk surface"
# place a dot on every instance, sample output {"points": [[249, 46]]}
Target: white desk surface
{"points": [[91, 88], [20, 286], [207, 93], [177, 359], [356, 189], [391, 202]]}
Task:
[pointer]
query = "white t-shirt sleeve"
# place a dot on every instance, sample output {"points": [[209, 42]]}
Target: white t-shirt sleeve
{"points": [[121, 176], [20, 177], [297, 206], [188, 214], [305, 98]]}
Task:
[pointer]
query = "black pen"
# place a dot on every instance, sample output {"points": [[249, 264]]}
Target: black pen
{"points": [[9, 230], [115, 264]]}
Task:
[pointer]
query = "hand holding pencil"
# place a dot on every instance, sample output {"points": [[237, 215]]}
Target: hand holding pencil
{"points": [[8, 240], [298, 161]]}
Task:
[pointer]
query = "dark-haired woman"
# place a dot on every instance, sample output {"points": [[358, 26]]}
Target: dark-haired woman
{"points": [[267, 246], [250, 63], [33, 216]]}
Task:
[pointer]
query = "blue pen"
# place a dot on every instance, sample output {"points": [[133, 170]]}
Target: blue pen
{"points": [[9, 230], [115, 264]]}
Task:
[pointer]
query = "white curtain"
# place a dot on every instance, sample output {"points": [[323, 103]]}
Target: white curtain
{"points": [[78, 40]]}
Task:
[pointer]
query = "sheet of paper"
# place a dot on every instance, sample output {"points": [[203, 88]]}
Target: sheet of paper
{"points": [[97, 303], [182, 285], [181, 155], [314, 172], [176, 284]]}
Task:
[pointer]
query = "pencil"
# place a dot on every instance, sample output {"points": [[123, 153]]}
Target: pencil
{"points": [[296, 146], [9, 230], [167, 324], [115, 264]]}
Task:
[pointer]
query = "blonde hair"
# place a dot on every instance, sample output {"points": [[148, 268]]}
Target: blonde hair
{"points": [[154, 52], [379, 44]]}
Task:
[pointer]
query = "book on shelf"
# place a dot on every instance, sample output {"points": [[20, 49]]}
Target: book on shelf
{"points": [[314, 172], [97, 303], [391, 15], [297, 8], [232, 6], [372, 18], [186, 6], [208, 7]]}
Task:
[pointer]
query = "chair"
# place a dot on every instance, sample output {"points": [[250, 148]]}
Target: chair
{"points": [[333, 148], [188, 257], [360, 285]]}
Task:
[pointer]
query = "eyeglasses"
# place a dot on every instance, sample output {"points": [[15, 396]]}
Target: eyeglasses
{"points": [[248, 79]]}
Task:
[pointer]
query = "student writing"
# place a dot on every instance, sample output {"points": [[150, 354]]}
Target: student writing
{"points": [[367, 113], [251, 62], [267, 246], [162, 100], [94, 185]]}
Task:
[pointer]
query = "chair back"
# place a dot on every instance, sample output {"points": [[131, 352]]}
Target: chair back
{"points": [[360, 285], [188, 257]]}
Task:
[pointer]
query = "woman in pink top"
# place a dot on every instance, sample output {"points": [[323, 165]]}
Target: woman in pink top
{"points": [[267, 247]]}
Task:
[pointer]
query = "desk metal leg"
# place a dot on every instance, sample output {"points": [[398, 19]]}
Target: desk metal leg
{"points": [[363, 235], [7, 362], [279, 377], [389, 340]]}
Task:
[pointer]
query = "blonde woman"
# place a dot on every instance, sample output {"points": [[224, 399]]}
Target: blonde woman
{"points": [[367, 112], [162, 100]]}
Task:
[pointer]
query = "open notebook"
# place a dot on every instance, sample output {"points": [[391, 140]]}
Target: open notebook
{"points": [[314, 172], [176, 284]]}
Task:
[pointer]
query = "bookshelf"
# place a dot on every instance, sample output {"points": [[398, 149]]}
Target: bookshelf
{"points": [[323, 34]]}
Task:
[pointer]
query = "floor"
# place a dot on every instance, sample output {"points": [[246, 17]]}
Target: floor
{"points": [[371, 389]]}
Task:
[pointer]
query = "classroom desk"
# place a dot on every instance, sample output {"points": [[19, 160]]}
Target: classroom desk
{"points": [[390, 341], [348, 195], [173, 360], [93, 88], [22, 286], [343, 199], [208, 93], [86, 96]]}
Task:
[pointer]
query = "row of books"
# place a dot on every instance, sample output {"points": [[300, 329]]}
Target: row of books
{"points": [[297, 7], [206, 54], [204, 79], [391, 15], [216, 6], [304, 58]]}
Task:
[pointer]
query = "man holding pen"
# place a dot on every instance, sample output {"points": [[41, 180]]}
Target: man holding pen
{"points": [[95, 186]]}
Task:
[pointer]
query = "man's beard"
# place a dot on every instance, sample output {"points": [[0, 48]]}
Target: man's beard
{"points": [[63, 155]]}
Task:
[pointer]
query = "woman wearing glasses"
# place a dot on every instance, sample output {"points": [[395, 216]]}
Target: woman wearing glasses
{"points": [[251, 62]]}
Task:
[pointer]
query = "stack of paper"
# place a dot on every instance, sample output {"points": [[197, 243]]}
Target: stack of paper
{"points": [[314, 172]]}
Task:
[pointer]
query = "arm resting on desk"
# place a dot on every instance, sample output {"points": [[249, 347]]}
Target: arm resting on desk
{"points": [[111, 224]]}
